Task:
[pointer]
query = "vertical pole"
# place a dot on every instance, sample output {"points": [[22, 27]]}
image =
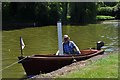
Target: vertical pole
{"points": [[21, 47], [1, 40], [60, 46]]}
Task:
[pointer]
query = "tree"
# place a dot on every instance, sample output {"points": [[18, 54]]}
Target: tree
{"points": [[5, 11], [53, 13], [117, 11], [48, 13], [82, 12], [41, 12], [64, 12]]}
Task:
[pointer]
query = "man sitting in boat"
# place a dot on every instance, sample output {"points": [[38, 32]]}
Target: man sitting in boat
{"points": [[69, 47]]}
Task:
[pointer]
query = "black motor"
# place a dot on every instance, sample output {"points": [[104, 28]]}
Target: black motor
{"points": [[99, 45]]}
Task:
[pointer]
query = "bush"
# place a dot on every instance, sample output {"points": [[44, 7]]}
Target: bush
{"points": [[117, 11], [102, 17], [107, 11]]}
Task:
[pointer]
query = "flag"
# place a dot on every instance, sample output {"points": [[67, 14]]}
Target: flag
{"points": [[22, 43]]}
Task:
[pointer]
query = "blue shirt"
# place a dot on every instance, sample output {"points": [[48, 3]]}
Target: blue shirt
{"points": [[69, 47]]}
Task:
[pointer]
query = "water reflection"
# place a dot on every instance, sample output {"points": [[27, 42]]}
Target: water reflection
{"points": [[113, 45], [115, 23]]}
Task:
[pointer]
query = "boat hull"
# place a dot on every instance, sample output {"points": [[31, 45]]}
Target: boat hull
{"points": [[37, 64]]}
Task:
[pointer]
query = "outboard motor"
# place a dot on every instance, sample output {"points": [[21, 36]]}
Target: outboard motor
{"points": [[99, 45]]}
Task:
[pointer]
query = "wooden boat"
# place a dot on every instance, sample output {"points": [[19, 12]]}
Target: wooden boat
{"points": [[37, 64]]}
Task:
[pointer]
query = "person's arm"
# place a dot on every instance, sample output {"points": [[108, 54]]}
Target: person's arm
{"points": [[57, 53], [76, 48]]}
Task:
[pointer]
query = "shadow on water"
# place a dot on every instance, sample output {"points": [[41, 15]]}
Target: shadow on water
{"points": [[16, 26], [6, 26]]}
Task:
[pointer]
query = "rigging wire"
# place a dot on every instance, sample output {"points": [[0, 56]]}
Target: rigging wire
{"points": [[12, 64]]}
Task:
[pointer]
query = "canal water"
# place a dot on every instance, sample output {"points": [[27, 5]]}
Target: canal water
{"points": [[43, 40]]}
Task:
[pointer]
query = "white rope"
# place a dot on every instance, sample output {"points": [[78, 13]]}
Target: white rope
{"points": [[12, 64]]}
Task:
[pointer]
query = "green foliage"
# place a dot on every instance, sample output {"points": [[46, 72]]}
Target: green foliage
{"points": [[105, 11], [53, 14], [102, 17], [65, 12], [111, 4], [48, 13], [106, 4], [5, 10], [109, 9], [82, 12], [41, 11], [26, 12], [18, 12], [100, 4], [117, 10]]}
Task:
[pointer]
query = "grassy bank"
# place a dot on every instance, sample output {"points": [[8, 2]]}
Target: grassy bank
{"points": [[104, 68]]}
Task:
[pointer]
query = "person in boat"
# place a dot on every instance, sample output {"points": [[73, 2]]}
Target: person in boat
{"points": [[69, 47]]}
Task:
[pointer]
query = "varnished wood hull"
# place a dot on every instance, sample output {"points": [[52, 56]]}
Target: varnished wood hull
{"points": [[37, 64]]}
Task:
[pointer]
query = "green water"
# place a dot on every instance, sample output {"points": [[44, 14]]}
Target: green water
{"points": [[43, 40]]}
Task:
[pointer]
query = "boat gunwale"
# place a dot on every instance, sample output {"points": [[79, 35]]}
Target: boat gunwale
{"points": [[64, 56]]}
